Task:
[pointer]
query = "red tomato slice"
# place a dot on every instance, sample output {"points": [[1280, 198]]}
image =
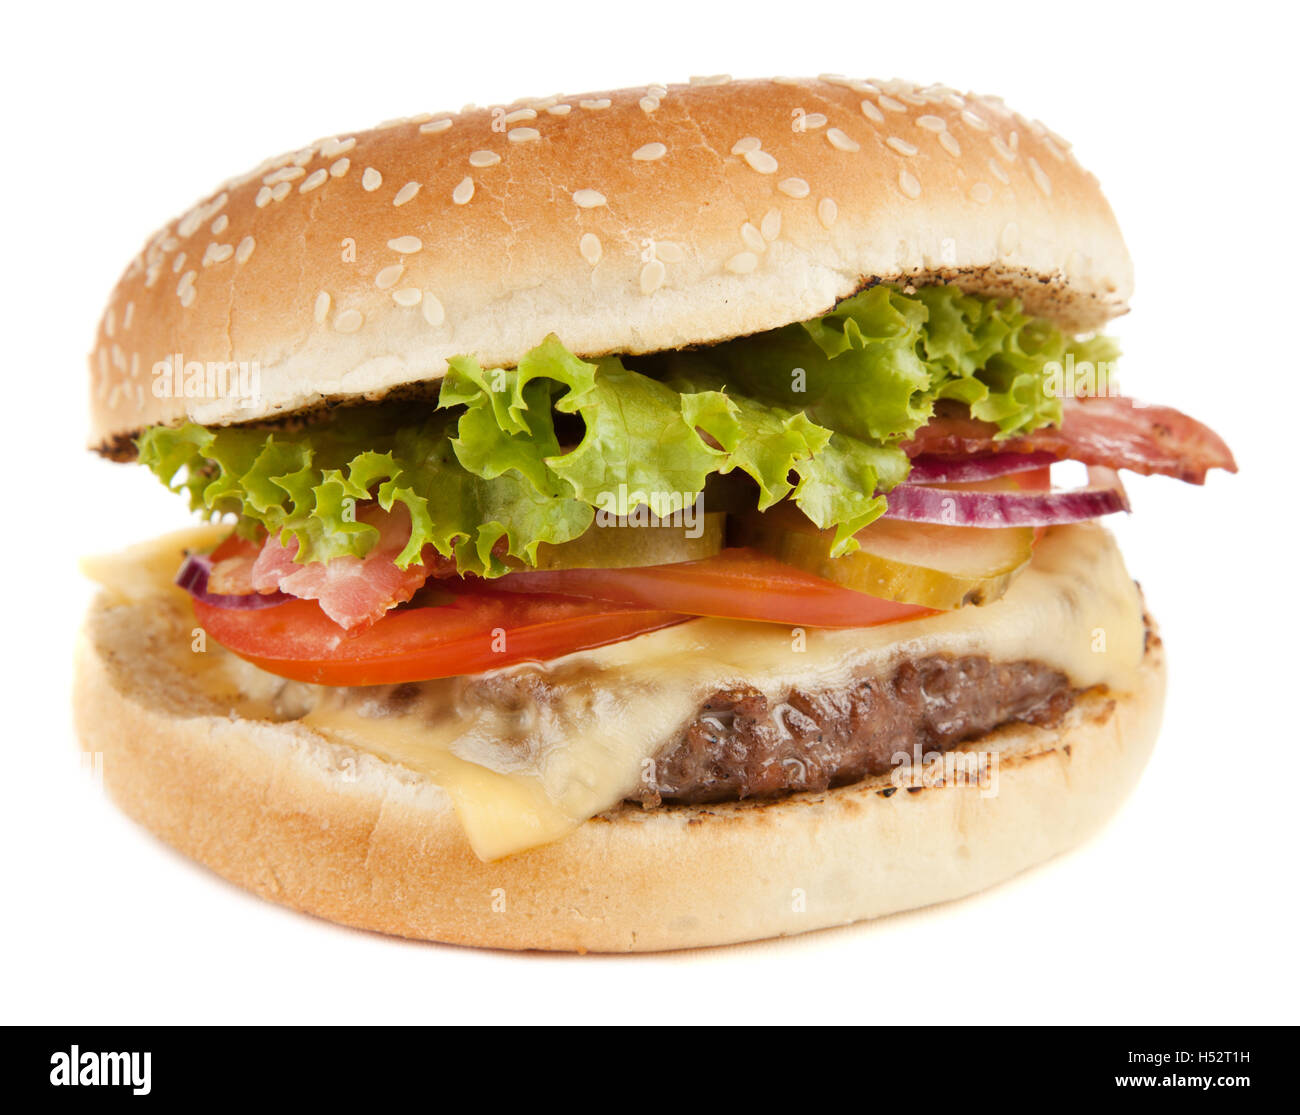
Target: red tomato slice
{"points": [[476, 629], [734, 584]]}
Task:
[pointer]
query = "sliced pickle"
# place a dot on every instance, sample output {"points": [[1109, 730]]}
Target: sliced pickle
{"points": [[915, 563], [618, 547]]}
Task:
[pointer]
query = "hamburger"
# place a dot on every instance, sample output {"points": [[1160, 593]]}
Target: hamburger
{"points": [[630, 517]]}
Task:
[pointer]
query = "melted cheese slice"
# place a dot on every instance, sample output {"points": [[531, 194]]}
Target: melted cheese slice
{"points": [[529, 752]]}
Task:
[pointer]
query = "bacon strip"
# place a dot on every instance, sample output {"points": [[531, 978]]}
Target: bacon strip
{"points": [[354, 592], [1110, 432]]}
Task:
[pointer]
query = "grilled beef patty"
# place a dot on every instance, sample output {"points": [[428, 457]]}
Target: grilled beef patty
{"points": [[741, 745]]}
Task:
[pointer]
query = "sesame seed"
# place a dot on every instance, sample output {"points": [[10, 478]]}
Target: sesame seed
{"points": [[1053, 150], [1009, 239], [245, 249], [974, 121], [995, 168], [407, 296], [599, 103], [871, 112], [332, 147], [314, 179], [1040, 177], [794, 187], [901, 145], [186, 286], [520, 114], [746, 145], [650, 152], [785, 81], [648, 104], [281, 191], [558, 110], [1014, 141], [432, 309], [851, 83], [544, 102], [128, 315], [907, 182], [406, 193], [483, 158], [263, 198], [340, 167], [590, 248], [657, 90], [949, 143], [371, 180], [463, 191], [932, 123], [406, 244], [742, 263], [814, 120], [523, 135], [433, 127], [388, 276], [770, 226], [981, 192], [840, 141], [219, 225], [1003, 150], [652, 276], [588, 199], [712, 79], [753, 239], [348, 321], [761, 161], [178, 263], [110, 322], [888, 102], [285, 174], [912, 99], [669, 251], [827, 211]]}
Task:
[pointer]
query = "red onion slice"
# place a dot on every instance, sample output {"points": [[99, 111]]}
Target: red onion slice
{"points": [[954, 507], [193, 578], [962, 470]]}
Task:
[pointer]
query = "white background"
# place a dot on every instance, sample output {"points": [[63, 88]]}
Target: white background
{"points": [[1182, 910]]}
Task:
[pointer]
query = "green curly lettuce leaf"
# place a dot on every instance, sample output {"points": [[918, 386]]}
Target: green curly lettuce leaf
{"points": [[305, 484], [514, 457], [875, 365], [645, 442]]}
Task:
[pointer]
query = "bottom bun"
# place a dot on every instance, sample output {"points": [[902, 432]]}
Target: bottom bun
{"points": [[296, 818]]}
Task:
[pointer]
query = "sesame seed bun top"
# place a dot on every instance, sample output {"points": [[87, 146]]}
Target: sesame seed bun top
{"points": [[632, 221]]}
